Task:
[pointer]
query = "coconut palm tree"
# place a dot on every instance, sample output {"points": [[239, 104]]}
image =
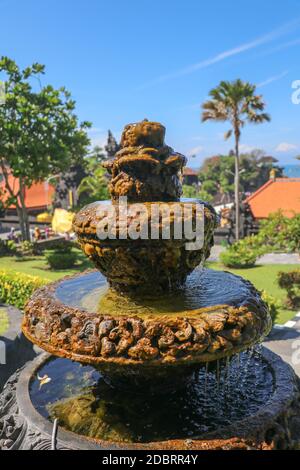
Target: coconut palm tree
{"points": [[237, 103]]}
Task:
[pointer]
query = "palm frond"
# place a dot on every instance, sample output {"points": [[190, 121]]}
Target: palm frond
{"points": [[259, 118], [214, 110], [236, 102], [228, 134]]}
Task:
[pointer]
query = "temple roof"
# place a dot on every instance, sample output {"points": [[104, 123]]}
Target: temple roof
{"points": [[276, 194], [39, 196]]}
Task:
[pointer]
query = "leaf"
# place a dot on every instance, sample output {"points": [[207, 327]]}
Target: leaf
{"points": [[43, 380]]}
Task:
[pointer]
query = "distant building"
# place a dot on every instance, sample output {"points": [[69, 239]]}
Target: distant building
{"points": [[190, 176], [267, 160], [222, 199], [66, 186], [37, 198], [276, 194], [111, 146]]}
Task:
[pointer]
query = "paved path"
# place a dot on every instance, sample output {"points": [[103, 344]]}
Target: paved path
{"points": [[269, 258], [15, 349], [285, 341], [215, 252], [279, 258]]}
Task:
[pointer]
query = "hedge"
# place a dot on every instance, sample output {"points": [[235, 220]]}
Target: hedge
{"points": [[242, 254], [16, 288], [60, 260], [273, 305], [291, 282]]}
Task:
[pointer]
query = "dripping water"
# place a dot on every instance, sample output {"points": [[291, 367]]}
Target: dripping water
{"points": [[218, 375], [205, 380]]}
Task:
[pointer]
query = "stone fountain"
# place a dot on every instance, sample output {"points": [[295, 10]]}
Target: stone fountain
{"points": [[162, 356]]}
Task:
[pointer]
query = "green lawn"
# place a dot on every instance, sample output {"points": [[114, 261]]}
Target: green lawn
{"points": [[264, 277], [37, 266], [4, 323]]}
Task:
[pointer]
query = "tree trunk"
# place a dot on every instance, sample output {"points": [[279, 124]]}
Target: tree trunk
{"points": [[19, 202], [237, 186], [24, 222], [21, 221], [23, 213]]}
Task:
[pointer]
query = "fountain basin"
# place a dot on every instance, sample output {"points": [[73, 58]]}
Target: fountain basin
{"points": [[274, 425], [215, 315]]}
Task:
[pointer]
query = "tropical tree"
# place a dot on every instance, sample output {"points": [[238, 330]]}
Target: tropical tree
{"points": [[39, 133], [216, 173], [237, 103], [97, 154], [94, 186]]}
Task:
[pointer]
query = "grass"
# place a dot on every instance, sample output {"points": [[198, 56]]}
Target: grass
{"points": [[4, 323], [264, 277], [37, 266]]}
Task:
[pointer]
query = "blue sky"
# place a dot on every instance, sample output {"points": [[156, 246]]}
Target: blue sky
{"points": [[127, 60]]}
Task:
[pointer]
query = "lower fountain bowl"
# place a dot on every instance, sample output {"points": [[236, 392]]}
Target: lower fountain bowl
{"points": [[216, 315], [274, 424]]}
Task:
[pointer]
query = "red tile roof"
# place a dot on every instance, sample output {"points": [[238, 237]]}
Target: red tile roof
{"points": [[39, 196], [189, 172], [276, 194]]}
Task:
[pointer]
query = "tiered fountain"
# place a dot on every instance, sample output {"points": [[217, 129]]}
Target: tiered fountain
{"points": [[160, 357]]}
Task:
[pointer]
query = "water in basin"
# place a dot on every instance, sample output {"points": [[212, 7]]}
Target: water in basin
{"points": [[216, 396]]}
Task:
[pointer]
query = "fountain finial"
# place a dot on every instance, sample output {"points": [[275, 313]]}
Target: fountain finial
{"points": [[145, 169]]}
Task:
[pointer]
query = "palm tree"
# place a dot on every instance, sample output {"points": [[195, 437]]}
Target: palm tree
{"points": [[237, 103]]}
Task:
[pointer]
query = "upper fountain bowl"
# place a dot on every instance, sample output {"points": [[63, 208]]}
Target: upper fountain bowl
{"points": [[132, 264]]}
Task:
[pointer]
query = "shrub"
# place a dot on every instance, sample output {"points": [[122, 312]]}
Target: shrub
{"points": [[26, 248], [280, 233], [17, 288], [7, 248], [237, 259], [272, 304], [242, 254], [291, 282], [61, 259], [277, 233]]}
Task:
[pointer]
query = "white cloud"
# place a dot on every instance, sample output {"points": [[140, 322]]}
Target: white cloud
{"points": [[195, 151], [286, 28], [285, 147], [272, 79], [281, 47]]}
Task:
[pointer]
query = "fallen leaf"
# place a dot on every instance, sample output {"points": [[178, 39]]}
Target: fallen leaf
{"points": [[43, 380]]}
